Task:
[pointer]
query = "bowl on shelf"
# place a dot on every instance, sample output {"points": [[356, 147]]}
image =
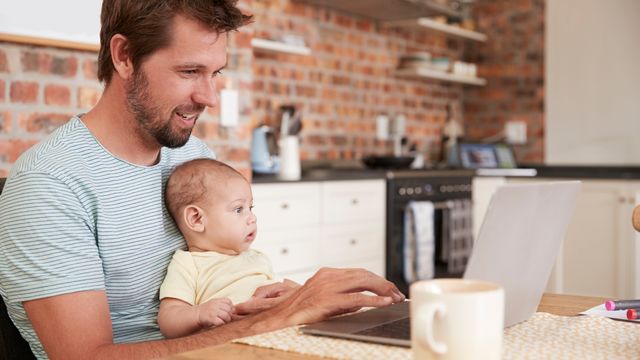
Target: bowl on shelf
{"points": [[388, 161]]}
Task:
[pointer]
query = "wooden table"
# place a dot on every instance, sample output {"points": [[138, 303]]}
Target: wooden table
{"points": [[566, 305]]}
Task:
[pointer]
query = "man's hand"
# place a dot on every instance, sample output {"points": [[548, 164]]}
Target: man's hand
{"points": [[334, 291], [266, 297], [214, 312]]}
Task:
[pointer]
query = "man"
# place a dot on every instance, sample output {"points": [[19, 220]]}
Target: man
{"points": [[84, 237]]}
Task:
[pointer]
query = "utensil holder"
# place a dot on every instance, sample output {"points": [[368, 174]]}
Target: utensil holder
{"points": [[289, 158]]}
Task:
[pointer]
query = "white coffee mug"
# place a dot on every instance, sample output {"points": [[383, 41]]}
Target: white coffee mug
{"points": [[456, 319]]}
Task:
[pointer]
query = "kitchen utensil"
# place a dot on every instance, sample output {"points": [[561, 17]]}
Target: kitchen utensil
{"points": [[296, 125], [388, 161]]}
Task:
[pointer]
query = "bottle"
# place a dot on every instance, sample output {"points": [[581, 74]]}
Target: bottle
{"points": [[452, 132]]}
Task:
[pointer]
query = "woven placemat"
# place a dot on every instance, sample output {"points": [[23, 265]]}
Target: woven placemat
{"points": [[544, 336]]}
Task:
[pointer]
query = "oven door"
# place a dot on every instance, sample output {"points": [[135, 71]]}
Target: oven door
{"points": [[452, 235]]}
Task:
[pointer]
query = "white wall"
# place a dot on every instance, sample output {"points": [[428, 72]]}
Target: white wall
{"points": [[71, 20], [592, 82]]}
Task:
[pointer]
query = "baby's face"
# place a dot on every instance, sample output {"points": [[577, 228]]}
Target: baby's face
{"points": [[231, 225]]}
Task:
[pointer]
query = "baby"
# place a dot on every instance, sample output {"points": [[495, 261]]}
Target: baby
{"points": [[212, 205]]}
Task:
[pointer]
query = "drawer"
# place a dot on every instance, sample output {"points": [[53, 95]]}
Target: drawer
{"points": [[348, 201], [340, 245], [293, 251], [291, 205]]}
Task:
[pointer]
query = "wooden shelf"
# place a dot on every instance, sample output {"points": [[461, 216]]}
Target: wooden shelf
{"points": [[277, 46], [387, 9], [432, 25], [440, 75]]}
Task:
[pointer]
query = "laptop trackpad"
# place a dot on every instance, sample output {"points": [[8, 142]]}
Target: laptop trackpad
{"points": [[362, 320]]}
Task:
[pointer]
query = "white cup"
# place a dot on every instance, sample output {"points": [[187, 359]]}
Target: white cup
{"points": [[456, 319], [289, 158]]}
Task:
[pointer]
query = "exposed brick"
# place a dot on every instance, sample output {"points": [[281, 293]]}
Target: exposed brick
{"points": [[512, 62], [5, 122], [242, 39], [49, 64], [90, 69], [88, 97], [24, 92], [57, 95], [42, 123], [4, 63], [11, 149]]}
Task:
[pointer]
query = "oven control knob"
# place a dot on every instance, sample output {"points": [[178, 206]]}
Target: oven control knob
{"points": [[409, 191], [417, 190], [402, 191]]}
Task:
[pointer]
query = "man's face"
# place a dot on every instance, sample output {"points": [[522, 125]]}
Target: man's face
{"points": [[230, 223], [173, 86]]}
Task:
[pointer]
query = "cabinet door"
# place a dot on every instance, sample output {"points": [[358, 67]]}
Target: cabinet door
{"points": [[286, 206], [342, 244], [352, 201], [597, 253], [290, 250]]}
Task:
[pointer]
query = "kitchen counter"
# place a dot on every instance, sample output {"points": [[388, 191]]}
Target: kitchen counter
{"points": [[586, 171], [330, 174], [526, 170]]}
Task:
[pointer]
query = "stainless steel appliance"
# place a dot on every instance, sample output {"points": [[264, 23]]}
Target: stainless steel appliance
{"points": [[436, 186]]}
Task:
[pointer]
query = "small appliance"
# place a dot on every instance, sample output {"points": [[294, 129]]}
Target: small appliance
{"points": [[264, 154]]}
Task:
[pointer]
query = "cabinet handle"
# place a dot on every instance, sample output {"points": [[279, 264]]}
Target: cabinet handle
{"points": [[284, 251], [353, 242], [284, 206], [354, 201], [631, 200], [622, 200]]}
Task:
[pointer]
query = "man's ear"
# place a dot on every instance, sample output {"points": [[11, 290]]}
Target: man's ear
{"points": [[120, 56], [194, 218]]}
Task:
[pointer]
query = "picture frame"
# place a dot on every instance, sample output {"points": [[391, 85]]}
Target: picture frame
{"points": [[486, 156]]}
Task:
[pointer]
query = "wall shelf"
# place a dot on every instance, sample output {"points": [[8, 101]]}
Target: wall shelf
{"points": [[433, 25], [387, 9], [277, 46], [440, 75]]}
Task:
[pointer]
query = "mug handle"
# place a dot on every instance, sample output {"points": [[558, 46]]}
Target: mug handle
{"points": [[425, 318]]}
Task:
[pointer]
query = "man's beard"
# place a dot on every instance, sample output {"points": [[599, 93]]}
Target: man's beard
{"points": [[150, 117]]}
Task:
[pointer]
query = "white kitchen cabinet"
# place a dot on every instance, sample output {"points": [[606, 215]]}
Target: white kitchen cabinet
{"points": [[305, 226], [600, 255]]}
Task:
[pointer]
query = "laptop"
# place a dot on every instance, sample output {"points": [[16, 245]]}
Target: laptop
{"points": [[517, 246]]}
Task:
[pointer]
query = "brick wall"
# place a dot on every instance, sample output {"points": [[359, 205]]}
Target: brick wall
{"points": [[346, 82], [512, 61], [42, 87]]}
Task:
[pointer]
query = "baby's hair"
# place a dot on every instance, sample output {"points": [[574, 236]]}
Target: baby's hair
{"points": [[187, 183]]}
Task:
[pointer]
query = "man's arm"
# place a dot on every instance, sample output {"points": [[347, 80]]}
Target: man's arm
{"points": [[78, 326]]}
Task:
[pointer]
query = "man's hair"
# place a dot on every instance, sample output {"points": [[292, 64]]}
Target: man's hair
{"points": [[147, 25], [189, 182]]}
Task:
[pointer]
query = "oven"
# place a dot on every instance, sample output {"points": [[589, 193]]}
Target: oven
{"points": [[440, 187]]}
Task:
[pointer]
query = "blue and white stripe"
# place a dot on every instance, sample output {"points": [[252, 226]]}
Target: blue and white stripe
{"points": [[73, 217]]}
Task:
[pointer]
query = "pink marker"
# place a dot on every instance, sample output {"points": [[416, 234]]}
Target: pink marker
{"points": [[622, 304]]}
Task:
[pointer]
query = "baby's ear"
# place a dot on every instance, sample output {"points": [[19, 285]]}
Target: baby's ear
{"points": [[194, 218]]}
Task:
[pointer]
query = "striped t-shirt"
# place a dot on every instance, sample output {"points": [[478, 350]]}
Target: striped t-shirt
{"points": [[74, 217]]}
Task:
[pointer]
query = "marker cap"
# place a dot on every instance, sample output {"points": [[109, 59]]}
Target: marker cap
{"points": [[610, 305]]}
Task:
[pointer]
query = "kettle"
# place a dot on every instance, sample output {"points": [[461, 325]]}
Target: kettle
{"points": [[264, 157]]}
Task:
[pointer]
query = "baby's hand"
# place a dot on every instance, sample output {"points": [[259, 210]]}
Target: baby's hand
{"points": [[215, 312]]}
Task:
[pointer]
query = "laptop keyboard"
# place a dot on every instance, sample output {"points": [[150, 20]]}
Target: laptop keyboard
{"points": [[398, 329]]}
